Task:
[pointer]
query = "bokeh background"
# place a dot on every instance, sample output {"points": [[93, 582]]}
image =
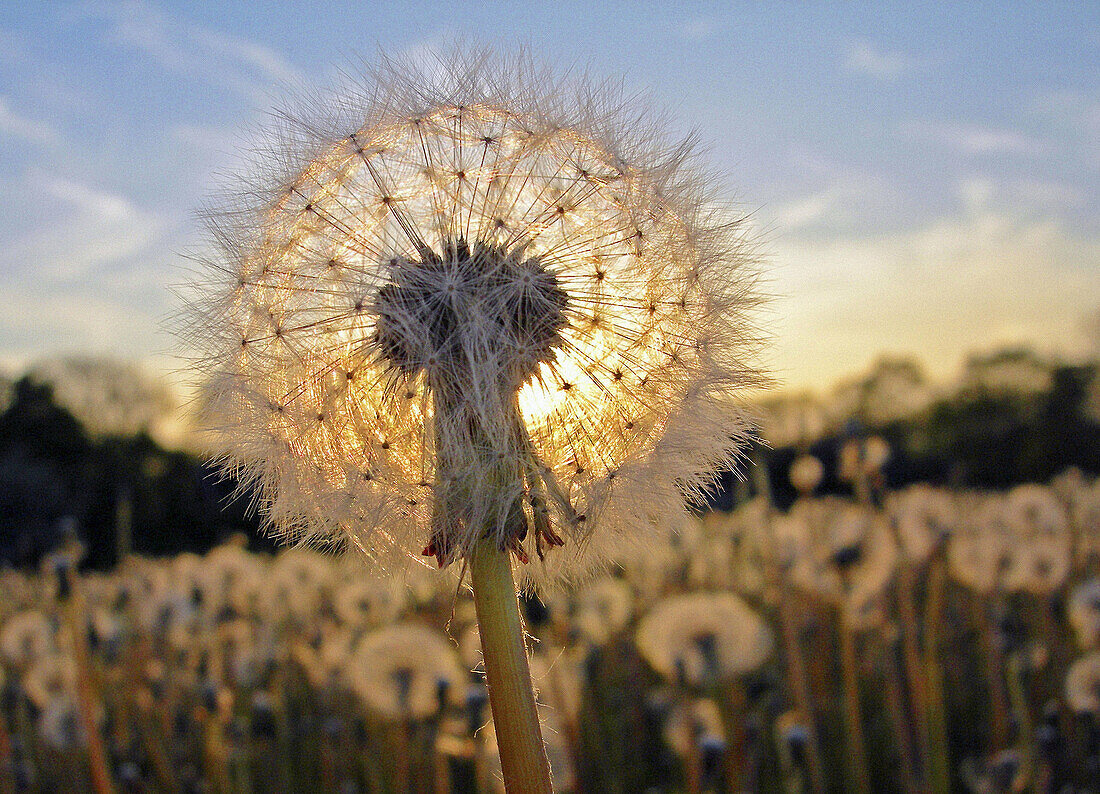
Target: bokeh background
{"points": [[924, 182]]}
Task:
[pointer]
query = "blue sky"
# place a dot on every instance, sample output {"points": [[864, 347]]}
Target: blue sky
{"points": [[926, 179]]}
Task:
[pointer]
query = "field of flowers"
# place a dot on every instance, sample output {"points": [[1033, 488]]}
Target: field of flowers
{"points": [[915, 640]]}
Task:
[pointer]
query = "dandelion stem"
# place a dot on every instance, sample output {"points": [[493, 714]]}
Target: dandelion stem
{"points": [[858, 779], [507, 675], [986, 615], [895, 702], [86, 695], [939, 775], [790, 623], [914, 670]]}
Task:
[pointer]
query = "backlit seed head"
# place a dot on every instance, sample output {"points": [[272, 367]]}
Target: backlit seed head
{"points": [[471, 299]]}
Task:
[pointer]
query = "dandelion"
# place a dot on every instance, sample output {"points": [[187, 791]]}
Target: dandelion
{"points": [[366, 601], [1035, 510], [924, 517], [59, 723], [228, 572], [702, 639], [843, 553], [1083, 611], [475, 312], [49, 677], [603, 608], [475, 283], [326, 660], [397, 671], [1038, 567], [1083, 685], [805, 474], [691, 719], [26, 637], [295, 583], [980, 555]]}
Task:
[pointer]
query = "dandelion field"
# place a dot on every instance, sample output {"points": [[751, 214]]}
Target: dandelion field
{"points": [[478, 473], [923, 639]]}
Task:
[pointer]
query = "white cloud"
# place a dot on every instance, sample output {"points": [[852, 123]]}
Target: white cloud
{"points": [[81, 229], [848, 195], [20, 126], [1024, 196], [864, 57], [976, 193], [976, 139], [35, 320], [1076, 116], [1073, 107], [698, 28], [810, 210], [230, 62]]}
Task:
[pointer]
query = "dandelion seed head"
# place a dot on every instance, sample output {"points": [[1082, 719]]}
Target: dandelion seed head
{"points": [[51, 676], [1083, 684], [806, 473], [839, 551], [704, 638], [923, 517], [603, 608], [979, 556], [1083, 611], [474, 298], [397, 670]]}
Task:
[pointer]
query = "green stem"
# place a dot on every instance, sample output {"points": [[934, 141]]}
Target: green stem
{"points": [[853, 719], [938, 761], [507, 675]]}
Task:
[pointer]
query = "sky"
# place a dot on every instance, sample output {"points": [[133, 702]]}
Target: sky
{"points": [[923, 179]]}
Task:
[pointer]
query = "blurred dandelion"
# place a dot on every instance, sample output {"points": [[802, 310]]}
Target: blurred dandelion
{"points": [[981, 554], [26, 637], [398, 671], [845, 554], [806, 473], [702, 639], [689, 720], [603, 608], [1083, 611], [1083, 684], [923, 517]]}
